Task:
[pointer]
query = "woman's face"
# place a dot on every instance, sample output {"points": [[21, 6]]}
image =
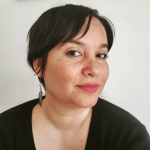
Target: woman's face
{"points": [[75, 63]]}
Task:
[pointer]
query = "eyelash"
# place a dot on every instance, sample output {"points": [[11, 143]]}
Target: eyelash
{"points": [[105, 55]]}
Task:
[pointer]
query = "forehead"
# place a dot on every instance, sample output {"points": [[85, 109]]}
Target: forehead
{"points": [[96, 30], [95, 36]]}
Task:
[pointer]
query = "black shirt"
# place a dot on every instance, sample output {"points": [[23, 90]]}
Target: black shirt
{"points": [[111, 128]]}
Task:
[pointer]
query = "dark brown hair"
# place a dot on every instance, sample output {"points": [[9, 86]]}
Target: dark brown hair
{"points": [[61, 24]]}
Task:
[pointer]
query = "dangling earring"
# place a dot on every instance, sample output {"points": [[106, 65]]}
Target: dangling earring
{"points": [[40, 96]]}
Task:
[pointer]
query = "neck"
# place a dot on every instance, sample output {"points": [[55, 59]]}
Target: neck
{"points": [[64, 116]]}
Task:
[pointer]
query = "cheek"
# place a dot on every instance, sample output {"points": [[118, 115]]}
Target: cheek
{"points": [[105, 72], [62, 72]]}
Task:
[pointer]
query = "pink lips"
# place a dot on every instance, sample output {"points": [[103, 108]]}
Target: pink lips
{"points": [[89, 87]]}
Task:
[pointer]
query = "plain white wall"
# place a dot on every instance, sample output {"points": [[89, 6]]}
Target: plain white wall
{"points": [[128, 85]]}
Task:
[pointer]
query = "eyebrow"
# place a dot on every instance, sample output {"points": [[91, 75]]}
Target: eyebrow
{"points": [[83, 44]]}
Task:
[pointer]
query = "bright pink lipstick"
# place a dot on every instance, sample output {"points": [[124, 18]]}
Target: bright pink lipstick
{"points": [[89, 87]]}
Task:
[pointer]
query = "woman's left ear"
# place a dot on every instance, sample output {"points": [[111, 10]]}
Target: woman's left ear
{"points": [[37, 63]]}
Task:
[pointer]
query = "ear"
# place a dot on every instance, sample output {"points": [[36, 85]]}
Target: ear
{"points": [[37, 63]]}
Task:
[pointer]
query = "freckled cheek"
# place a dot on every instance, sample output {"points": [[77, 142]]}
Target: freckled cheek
{"points": [[64, 71], [105, 72]]}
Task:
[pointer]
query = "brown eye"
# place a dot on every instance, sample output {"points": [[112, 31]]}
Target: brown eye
{"points": [[102, 56], [73, 53]]}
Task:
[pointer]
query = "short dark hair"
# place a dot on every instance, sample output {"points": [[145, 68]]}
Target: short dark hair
{"points": [[61, 24]]}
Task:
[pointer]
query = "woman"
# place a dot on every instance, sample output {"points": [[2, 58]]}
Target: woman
{"points": [[68, 47]]}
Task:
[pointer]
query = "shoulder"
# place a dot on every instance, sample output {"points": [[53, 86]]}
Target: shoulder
{"points": [[115, 112], [14, 124], [16, 114], [119, 128]]}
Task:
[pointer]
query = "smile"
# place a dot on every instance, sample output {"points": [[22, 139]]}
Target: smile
{"points": [[89, 89]]}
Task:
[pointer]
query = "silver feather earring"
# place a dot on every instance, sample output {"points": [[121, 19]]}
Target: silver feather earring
{"points": [[40, 96]]}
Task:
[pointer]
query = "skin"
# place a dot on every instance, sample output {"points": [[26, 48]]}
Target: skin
{"points": [[66, 110]]}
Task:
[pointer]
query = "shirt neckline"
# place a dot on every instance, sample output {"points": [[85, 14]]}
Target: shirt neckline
{"points": [[91, 139]]}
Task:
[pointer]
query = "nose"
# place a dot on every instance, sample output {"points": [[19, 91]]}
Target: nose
{"points": [[91, 68]]}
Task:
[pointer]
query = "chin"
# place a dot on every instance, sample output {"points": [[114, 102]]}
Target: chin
{"points": [[87, 103]]}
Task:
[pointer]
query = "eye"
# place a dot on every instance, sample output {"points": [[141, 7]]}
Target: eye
{"points": [[102, 56], [73, 53]]}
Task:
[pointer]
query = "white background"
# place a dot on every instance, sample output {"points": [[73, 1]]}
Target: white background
{"points": [[128, 85]]}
